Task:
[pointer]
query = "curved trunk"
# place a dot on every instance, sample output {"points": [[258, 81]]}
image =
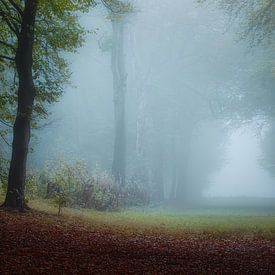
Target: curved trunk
{"points": [[26, 93]]}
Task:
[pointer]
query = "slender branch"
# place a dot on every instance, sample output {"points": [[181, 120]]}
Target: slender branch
{"points": [[10, 25], [5, 140], [8, 45], [5, 123], [116, 7], [6, 15], [17, 7], [107, 5], [7, 57], [8, 11]]}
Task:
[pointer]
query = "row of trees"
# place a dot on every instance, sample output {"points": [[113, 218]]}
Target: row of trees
{"points": [[187, 107], [33, 37], [255, 21], [241, 102], [164, 114], [34, 73]]}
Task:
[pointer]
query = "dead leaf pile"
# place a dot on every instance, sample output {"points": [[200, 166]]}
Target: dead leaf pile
{"points": [[35, 243]]}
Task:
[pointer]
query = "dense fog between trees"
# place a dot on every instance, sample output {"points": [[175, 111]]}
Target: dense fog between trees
{"points": [[182, 63], [137, 136], [169, 98]]}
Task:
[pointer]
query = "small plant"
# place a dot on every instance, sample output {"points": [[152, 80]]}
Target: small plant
{"points": [[63, 187], [61, 199]]}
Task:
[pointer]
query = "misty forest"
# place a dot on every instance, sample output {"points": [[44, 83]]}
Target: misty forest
{"points": [[137, 136]]}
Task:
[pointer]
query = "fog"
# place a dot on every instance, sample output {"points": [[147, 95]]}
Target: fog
{"points": [[189, 133], [242, 175]]}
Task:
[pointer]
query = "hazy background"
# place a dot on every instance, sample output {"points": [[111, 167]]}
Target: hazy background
{"points": [[181, 59]]}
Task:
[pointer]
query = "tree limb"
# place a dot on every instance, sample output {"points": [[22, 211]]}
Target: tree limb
{"points": [[8, 45], [17, 7], [5, 123], [115, 6], [6, 14], [7, 57], [4, 139]]}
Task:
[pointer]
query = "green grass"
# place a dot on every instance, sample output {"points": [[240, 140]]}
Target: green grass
{"points": [[197, 223], [187, 223]]}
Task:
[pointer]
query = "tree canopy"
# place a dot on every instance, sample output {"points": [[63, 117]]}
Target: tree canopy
{"points": [[256, 18], [35, 35], [57, 30]]}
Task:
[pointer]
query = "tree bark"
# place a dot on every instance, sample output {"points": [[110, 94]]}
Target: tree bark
{"points": [[119, 83], [26, 94]]}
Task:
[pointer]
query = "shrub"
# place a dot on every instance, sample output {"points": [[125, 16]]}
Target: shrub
{"points": [[65, 182], [71, 184], [35, 185], [101, 192]]}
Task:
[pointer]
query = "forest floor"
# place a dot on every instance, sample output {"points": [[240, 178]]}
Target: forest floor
{"points": [[90, 242]]}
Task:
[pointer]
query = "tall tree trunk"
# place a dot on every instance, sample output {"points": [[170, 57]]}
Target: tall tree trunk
{"points": [[158, 180], [26, 93], [174, 169], [141, 170], [174, 182], [119, 83], [182, 194]]}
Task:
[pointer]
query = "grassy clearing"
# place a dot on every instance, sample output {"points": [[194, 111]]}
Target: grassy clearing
{"points": [[138, 222]]}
